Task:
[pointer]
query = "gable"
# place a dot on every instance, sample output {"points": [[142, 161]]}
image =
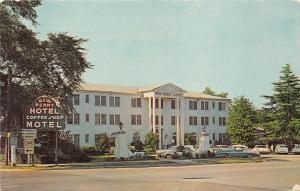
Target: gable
{"points": [[169, 88]]}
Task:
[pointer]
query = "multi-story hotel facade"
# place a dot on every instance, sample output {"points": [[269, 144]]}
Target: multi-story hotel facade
{"points": [[100, 109]]}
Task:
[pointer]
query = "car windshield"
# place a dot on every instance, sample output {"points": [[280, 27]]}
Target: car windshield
{"points": [[282, 146]]}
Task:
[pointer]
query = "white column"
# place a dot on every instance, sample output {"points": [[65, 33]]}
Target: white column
{"points": [[182, 122], [159, 122], [178, 130], [150, 113], [153, 113]]}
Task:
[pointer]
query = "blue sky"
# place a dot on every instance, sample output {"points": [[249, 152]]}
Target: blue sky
{"points": [[237, 47]]}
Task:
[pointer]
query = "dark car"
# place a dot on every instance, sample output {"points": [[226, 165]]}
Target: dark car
{"points": [[225, 153]]}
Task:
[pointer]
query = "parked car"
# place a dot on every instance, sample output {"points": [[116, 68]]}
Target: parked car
{"points": [[262, 149], [218, 147], [281, 149], [225, 153], [167, 153], [296, 149], [239, 147], [173, 153]]}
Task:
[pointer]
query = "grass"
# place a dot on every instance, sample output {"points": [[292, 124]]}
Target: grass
{"points": [[102, 158]]}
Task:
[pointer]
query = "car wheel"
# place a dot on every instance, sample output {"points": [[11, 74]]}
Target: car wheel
{"points": [[225, 155], [168, 156]]}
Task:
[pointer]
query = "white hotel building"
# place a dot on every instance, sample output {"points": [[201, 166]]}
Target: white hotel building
{"points": [[100, 108]]}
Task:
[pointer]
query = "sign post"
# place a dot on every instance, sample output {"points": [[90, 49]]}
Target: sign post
{"points": [[43, 114]]}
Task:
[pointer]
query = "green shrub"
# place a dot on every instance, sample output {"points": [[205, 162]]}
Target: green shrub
{"points": [[102, 143], [151, 141], [91, 150]]}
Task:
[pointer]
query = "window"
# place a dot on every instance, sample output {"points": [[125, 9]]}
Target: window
{"points": [[76, 99], [193, 105], [133, 119], [161, 103], [193, 120], [70, 118], [69, 100], [222, 106], [76, 118], [77, 140], [117, 101], [204, 121], [156, 120], [114, 101], [204, 105], [173, 120], [114, 119], [103, 100], [117, 119], [139, 120], [87, 98], [103, 119], [213, 136], [222, 138], [222, 121], [136, 102], [214, 120], [97, 100], [161, 120], [213, 105], [111, 119], [87, 117], [97, 119], [86, 138], [173, 104], [136, 119], [156, 103]]}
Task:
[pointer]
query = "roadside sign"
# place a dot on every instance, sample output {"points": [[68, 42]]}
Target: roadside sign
{"points": [[64, 135], [28, 143], [29, 151], [44, 113], [29, 133]]}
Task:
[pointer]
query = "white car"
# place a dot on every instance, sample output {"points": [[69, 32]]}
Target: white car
{"points": [[239, 147], [296, 149], [281, 149], [261, 149]]}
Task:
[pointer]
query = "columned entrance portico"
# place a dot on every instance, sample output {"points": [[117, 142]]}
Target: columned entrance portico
{"points": [[156, 96]]}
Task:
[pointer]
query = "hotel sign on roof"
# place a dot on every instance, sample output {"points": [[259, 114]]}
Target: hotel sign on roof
{"points": [[44, 114]]}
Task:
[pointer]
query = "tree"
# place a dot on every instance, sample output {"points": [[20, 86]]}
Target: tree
{"points": [[209, 91], [102, 143], [282, 119], [242, 121], [31, 67], [151, 141]]}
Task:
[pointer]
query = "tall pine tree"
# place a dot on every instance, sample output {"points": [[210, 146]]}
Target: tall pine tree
{"points": [[283, 108]]}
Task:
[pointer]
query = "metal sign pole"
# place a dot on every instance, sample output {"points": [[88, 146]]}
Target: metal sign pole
{"points": [[55, 146], [28, 159]]}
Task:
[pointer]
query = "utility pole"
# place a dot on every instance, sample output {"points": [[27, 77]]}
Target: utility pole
{"points": [[8, 114]]}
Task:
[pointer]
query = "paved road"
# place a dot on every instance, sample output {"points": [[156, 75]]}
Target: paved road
{"points": [[280, 173]]}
